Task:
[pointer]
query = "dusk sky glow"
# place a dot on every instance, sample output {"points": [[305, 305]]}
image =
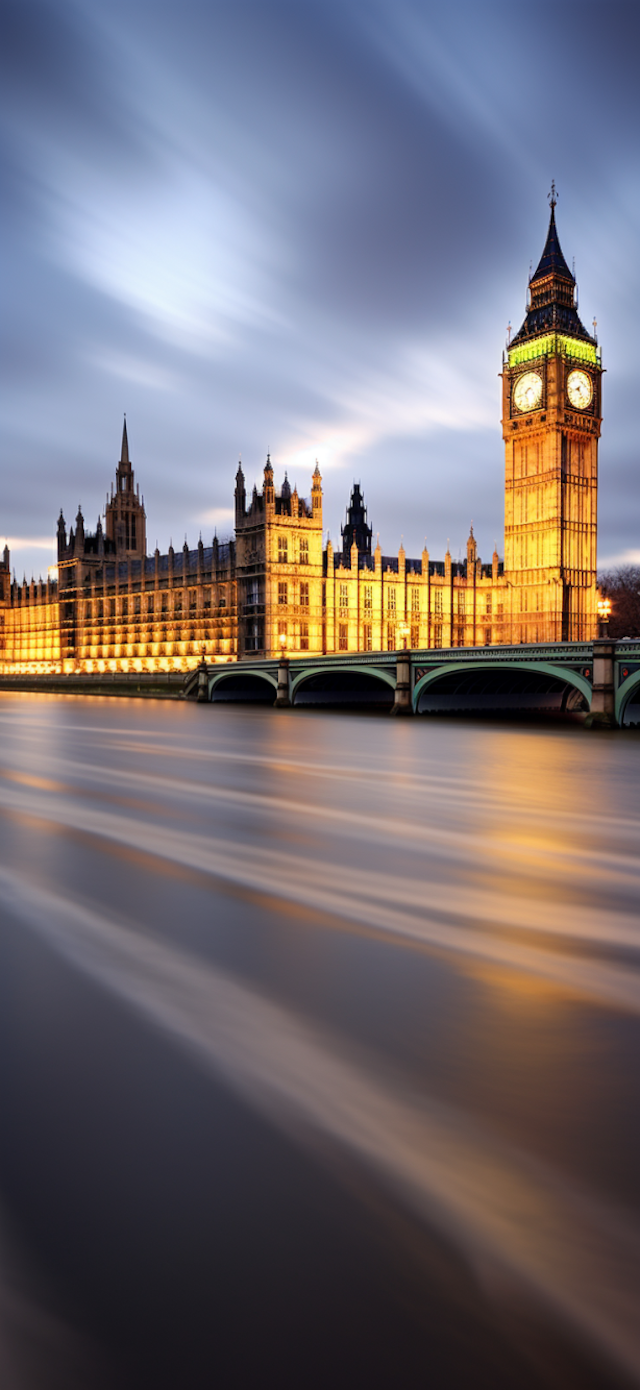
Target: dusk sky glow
{"points": [[303, 227]]}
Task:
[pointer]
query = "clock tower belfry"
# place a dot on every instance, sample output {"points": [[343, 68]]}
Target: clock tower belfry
{"points": [[551, 418]]}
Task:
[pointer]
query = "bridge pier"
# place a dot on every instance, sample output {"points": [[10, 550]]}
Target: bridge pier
{"points": [[603, 701], [402, 703], [283, 697]]}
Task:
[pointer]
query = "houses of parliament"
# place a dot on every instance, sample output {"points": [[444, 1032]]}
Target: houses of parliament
{"points": [[275, 587]]}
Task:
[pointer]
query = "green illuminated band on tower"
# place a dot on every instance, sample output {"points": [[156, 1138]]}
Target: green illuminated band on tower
{"points": [[554, 343]]}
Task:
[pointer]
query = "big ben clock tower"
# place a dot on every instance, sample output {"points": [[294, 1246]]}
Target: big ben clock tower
{"points": [[551, 417]]}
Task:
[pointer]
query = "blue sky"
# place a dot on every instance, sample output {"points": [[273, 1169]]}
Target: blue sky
{"points": [[303, 227]]}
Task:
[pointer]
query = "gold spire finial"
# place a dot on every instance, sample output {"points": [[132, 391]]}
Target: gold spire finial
{"points": [[553, 196]]}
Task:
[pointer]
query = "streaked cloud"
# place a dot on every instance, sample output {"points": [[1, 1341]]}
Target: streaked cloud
{"points": [[302, 229]]}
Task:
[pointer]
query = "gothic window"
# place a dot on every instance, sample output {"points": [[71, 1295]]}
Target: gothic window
{"points": [[125, 607], [415, 637], [343, 597], [112, 608], [101, 609], [366, 638], [437, 601], [461, 605], [487, 637], [222, 598], [343, 637], [368, 602], [415, 600], [136, 603], [177, 604], [192, 598], [391, 601], [304, 550], [437, 635], [283, 550], [283, 592], [304, 637], [391, 638], [165, 602], [207, 597], [149, 603], [304, 594], [488, 606]]}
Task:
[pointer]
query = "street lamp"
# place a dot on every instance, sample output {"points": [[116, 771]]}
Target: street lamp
{"points": [[604, 612], [283, 642], [403, 630]]}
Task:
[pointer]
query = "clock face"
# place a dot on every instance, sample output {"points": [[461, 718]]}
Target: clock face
{"points": [[579, 389], [527, 392]]}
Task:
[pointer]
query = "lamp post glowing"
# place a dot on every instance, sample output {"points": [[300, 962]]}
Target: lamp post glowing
{"points": [[604, 613], [403, 630]]}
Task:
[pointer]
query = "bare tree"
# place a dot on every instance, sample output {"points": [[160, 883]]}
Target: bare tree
{"points": [[622, 586]]}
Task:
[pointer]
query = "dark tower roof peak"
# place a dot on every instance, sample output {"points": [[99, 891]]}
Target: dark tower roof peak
{"points": [[356, 531], [552, 261], [124, 452]]}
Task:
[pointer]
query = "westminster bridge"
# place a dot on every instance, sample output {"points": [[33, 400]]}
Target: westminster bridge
{"points": [[600, 679]]}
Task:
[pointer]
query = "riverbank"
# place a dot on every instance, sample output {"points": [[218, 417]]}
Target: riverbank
{"points": [[157, 685]]}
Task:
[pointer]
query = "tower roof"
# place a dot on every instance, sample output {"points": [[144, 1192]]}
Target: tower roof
{"points": [[552, 261], [356, 531], [124, 452], [552, 303]]}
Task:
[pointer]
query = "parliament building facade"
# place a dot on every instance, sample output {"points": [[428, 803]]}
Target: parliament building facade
{"points": [[275, 587]]}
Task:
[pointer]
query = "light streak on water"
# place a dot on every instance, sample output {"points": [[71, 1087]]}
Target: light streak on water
{"points": [[506, 858]]}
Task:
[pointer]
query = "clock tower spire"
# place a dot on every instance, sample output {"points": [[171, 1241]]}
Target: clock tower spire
{"points": [[551, 420]]}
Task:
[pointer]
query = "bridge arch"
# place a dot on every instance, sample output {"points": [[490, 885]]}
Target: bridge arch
{"points": [[470, 674], [242, 687], [628, 694], [351, 684]]}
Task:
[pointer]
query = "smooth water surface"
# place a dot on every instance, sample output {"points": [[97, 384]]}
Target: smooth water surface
{"points": [[319, 1042]]}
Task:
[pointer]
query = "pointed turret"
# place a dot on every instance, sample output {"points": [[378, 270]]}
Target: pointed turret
{"points": [[268, 490], [125, 515], [472, 551], [316, 493], [62, 535], [240, 496], [124, 452]]}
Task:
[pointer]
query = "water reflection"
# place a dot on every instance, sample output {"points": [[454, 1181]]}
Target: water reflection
{"points": [[408, 950]]}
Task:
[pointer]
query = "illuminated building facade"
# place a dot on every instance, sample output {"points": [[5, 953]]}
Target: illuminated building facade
{"points": [[275, 587]]}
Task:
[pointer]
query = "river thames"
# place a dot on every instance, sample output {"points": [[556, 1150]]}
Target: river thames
{"points": [[319, 1041]]}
